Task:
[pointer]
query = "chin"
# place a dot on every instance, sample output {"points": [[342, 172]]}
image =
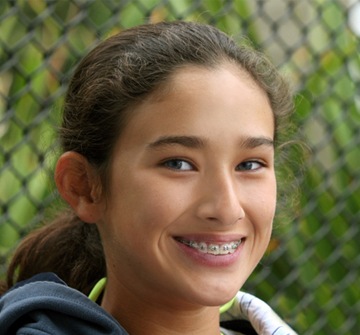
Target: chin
{"points": [[219, 295]]}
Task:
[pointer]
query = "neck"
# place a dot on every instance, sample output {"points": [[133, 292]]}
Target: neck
{"points": [[158, 317]]}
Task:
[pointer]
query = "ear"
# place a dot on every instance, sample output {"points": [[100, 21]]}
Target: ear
{"points": [[79, 186]]}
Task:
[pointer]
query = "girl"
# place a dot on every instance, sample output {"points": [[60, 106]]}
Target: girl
{"points": [[169, 133]]}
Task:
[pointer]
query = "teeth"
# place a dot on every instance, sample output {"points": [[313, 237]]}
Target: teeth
{"points": [[213, 249], [202, 247]]}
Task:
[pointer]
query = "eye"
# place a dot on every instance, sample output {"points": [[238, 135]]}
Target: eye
{"points": [[249, 166], [178, 164]]}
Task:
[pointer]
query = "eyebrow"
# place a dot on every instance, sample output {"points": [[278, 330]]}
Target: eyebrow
{"points": [[197, 142], [186, 141], [254, 142]]}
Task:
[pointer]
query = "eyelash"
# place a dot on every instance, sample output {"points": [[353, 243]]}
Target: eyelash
{"points": [[168, 162], [261, 165]]}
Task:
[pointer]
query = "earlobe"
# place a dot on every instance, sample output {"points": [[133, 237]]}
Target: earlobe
{"points": [[78, 185]]}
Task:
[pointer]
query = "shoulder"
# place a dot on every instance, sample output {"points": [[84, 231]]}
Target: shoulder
{"points": [[45, 304]]}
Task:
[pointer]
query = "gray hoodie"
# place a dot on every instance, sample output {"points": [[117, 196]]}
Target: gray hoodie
{"points": [[45, 305]]}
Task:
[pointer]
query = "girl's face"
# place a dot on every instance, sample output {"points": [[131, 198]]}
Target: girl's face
{"points": [[192, 193]]}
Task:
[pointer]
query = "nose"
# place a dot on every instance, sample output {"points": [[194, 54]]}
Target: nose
{"points": [[220, 200]]}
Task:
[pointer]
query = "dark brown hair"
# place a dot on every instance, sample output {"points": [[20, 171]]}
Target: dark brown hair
{"points": [[108, 82]]}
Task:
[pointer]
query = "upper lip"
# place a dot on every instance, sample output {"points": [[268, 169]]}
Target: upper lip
{"points": [[216, 239]]}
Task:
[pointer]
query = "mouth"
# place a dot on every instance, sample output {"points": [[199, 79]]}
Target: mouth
{"points": [[212, 248]]}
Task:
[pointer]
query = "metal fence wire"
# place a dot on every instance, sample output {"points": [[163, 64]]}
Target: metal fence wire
{"points": [[310, 273]]}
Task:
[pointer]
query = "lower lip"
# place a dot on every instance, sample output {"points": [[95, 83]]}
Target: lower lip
{"points": [[209, 259]]}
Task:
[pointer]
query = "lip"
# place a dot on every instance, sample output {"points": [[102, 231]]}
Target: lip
{"points": [[216, 239], [206, 259]]}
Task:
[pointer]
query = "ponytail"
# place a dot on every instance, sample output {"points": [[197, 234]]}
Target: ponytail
{"points": [[68, 247]]}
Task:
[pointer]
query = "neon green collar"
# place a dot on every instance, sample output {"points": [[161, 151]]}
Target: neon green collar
{"points": [[227, 306], [97, 290], [100, 286]]}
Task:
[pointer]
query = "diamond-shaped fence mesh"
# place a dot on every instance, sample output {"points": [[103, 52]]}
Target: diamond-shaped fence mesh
{"points": [[310, 274]]}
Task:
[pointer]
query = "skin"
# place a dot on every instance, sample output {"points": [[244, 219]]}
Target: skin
{"points": [[195, 162]]}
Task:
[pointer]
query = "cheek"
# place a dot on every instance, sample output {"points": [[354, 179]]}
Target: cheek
{"points": [[261, 207], [148, 205], [262, 199]]}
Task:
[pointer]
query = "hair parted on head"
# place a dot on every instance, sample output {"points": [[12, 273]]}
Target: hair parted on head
{"points": [[128, 66]]}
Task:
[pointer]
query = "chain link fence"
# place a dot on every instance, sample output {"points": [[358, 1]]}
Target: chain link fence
{"points": [[310, 274]]}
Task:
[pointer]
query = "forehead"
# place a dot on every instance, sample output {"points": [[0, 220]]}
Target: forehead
{"points": [[196, 75], [224, 100]]}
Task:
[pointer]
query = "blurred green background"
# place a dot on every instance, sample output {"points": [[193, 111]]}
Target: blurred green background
{"points": [[310, 274]]}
